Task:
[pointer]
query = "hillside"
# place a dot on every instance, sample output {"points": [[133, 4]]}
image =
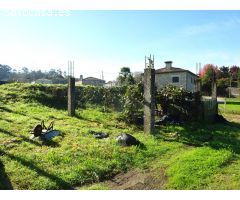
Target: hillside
{"points": [[190, 156]]}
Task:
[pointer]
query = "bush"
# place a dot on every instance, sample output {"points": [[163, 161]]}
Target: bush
{"points": [[178, 102], [133, 103], [100, 96]]}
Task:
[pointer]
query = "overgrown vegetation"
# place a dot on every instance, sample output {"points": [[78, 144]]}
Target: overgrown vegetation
{"points": [[225, 77], [178, 102], [56, 95], [192, 156], [133, 104]]}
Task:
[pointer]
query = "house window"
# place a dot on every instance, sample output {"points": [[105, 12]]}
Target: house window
{"points": [[175, 79]]}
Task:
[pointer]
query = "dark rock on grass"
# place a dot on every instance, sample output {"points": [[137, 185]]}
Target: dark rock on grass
{"points": [[99, 135], [125, 139]]}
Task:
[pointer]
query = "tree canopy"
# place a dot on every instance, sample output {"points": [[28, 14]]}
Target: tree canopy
{"points": [[5, 72], [223, 76], [125, 76]]}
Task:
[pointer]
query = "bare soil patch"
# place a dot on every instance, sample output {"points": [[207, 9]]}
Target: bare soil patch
{"points": [[232, 117], [138, 180]]}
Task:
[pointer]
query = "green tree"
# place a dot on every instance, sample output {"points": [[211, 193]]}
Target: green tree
{"points": [[238, 78], [5, 71], [138, 77], [234, 75], [125, 76], [222, 85], [207, 74], [224, 72]]}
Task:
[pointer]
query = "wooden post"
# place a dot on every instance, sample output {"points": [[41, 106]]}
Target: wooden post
{"points": [[149, 100], [71, 96]]}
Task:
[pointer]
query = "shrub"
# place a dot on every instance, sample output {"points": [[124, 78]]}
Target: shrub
{"points": [[133, 103], [178, 102]]}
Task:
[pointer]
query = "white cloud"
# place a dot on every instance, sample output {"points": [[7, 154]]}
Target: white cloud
{"points": [[209, 27], [199, 29]]}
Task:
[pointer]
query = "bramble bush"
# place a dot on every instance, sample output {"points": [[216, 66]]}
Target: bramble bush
{"points": [[133, 104], [99, 96], [126, 99], [178, 102]]}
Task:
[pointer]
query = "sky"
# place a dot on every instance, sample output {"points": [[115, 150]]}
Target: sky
{"points": [[108, 40]]}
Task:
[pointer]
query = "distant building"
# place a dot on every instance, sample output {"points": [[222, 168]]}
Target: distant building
{"points": [[176, 76], [43, 81], [111, 84], [90, 81]]}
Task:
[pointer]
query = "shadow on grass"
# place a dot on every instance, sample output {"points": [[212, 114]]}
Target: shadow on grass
{"points": [[5, 183], [19, 113], [217, 135], [79, 116], [7, 120], [50, 143], [233, 103], [59, 182], [52, 101], [20, 136]]}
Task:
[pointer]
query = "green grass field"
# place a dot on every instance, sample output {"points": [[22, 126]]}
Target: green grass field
{"points": [[232, 106], [190, 156]]}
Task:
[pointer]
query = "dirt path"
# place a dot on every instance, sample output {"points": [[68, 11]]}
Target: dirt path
{"points": [[138, 180], [232, 117]]}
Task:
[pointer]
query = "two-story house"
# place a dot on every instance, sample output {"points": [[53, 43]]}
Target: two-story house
{"points": [[176, 76]]}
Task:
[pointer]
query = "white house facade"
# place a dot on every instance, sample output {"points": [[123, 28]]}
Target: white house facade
{"points": [[176, 76]]}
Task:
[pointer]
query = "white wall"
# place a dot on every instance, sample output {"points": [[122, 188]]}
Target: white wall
{"points": [[186, 80]]}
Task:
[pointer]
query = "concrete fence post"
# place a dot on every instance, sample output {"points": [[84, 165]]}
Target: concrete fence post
{"points": [[71, 96], [214, 94], [214, 90], [149, 100]]}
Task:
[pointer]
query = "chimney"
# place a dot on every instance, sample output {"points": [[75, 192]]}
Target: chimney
{"points": [[81, 77], [168, 64]]}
